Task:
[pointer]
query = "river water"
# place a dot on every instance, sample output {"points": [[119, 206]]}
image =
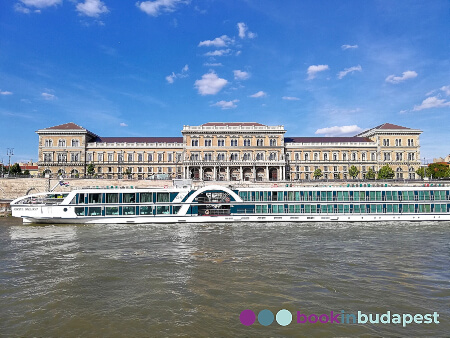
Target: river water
{"points": [[194, 280]]}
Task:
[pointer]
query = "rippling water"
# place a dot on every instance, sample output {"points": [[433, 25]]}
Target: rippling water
{"points": [[195, 279]]}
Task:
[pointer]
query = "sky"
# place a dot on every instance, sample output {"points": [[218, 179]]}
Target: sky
{"points": [[146, 68]]}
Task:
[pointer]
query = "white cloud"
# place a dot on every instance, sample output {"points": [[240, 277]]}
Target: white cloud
{"points": [[48, 96], [340, 131], [41, 3], [432, 102], [218, 64], [313, 70], [5, 92], [123, 124], [349, 70], [409, 74], [259, 94], [156, 7], [244, 32], [210, 84], [226, 104], [219, 52], [344, 47], [240, 75], [222, 41], [446, 90], [171, 78], [92, 8], [290, 98]]}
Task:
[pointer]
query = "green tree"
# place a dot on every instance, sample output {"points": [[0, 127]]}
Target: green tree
{"points": [[370, 174], [386, 172], [317, 173], [26, 172], [421, 172], [90, 169], [353, 172], [15, 169], [437, 170]]}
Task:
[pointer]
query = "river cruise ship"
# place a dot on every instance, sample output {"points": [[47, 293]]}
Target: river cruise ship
{"points": [[215, 203]]}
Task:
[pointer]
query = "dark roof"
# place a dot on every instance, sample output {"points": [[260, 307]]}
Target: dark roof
{"points": [[66, 126], [326, 139], [139, 139], [390, 126], [232, 124]]}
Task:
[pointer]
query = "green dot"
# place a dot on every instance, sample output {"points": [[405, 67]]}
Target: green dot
{"points": [[284, 317], [265, 317]]}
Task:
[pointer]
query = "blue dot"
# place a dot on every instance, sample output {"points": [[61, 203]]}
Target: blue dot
{"points": [[284, 317], [265, 317]]}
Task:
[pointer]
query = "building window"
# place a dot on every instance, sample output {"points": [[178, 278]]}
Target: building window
{"points": [[273, 142], [100, 157], [344, 157], [140, 157], [372, 155], [48, 143], [386, 142], [306, 168], [306, 157], [160, 157], [247, 143], [140, 170], [150, 169], [353, 156], [160, 169], [247, 157], [325, 157], [273, 157], [119, 169], [208, 157], [169, 157], [297, 156], [130, 157], [363, 156], [221, 143], [208, 143], [260, 156], [62, 158], [75, 143], [410, 156], [110, 157], [150, 157], [398, 142], [169, 170], [110, 169], [387, 156], [399, 156], [410, 142], [194, 157], [234, 157], [335, 157], [61, 143], [316, 156], [221, 157], [48, 157], [99, 170], [260, 142], [194, 143], [234, 143]]}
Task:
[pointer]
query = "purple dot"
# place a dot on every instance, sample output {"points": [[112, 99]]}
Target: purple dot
{"points": [[247, 317]]}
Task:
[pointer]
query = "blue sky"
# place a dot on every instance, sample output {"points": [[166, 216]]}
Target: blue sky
{"points": [[146, 68]]}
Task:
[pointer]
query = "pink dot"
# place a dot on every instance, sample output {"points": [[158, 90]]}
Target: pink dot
{"points": [[247, 317]]}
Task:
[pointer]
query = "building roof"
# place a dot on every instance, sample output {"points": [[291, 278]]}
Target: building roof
{"points": [[66, 126], [326, 139], [139, 139], [29, 167], [389, 126], [220, 124]]}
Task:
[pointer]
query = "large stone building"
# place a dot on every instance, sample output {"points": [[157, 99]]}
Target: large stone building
{"points": [[228, 151]]}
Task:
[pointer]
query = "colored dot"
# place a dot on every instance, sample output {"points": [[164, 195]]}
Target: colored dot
{"points": [[247, 317], [265, 317], [284, 317]]}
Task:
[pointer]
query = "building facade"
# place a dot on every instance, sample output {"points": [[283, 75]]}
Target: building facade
{"points": [[234, 151]]}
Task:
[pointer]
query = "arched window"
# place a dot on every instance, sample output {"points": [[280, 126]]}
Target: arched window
{"points": [[194, 143], [234, 143], [316, 156], [344, 156], [335, 157], [75, 143], [260, 142], [247, 143], [325, 157], [61, 143], [273, 142], [306, 156], [272, 156]]}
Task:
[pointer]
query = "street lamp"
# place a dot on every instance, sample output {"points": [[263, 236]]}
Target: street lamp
{"points": [[9, 153]]}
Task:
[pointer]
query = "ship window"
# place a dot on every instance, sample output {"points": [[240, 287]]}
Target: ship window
{"points": [[162, 209], [176, 209], [146, 197], [129, 210], [94, 198], [163, 197], [94, 211], [81, 198], [112, 210], [340, 208], [79, 211], [112, 198], [129, 198], [145, 210]]}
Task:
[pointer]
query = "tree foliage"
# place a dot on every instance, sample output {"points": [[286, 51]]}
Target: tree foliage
{"points": [[353, 171], [317, 173], [90, 169], [15, 169], [421, 172], [437, 170], [386, 172], [370, 174]]}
